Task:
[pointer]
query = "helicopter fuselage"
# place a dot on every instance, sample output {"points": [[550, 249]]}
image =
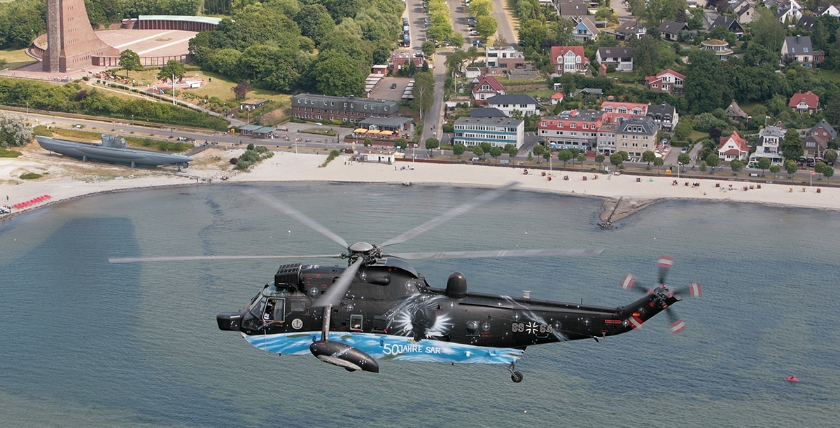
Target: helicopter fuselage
{"points": [[390, 312]]}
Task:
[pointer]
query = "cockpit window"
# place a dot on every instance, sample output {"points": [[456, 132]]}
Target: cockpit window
{"points": [[275, 310]]}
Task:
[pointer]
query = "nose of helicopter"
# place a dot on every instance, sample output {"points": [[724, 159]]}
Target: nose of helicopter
{"points": [[229, 321]]}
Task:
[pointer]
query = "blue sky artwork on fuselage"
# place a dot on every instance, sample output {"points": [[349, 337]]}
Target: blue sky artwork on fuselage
{"points": [[388, 347]]}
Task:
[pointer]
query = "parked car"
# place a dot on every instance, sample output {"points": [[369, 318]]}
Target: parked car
{"points": [[393, 86]]}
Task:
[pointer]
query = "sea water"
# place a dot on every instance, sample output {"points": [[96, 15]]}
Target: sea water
{"points": [[87, 343]]}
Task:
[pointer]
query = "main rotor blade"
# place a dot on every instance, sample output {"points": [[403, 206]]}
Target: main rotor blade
{"points": [[297, 215], [496, 253], [334, 294], [694, 290], [665, 263], [677, 325], [118, 260], [449, 215]]}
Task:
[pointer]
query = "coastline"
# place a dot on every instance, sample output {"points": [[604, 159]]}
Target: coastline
{"points": [[65, 179]]}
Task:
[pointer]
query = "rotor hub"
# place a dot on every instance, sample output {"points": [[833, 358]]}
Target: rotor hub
{"points": [[369, 253]]}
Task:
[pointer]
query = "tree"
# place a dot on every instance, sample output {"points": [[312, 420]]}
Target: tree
{"points": [[581, 158], [14, 131], [338, 74], [790, 168], [830, 155], [763, 164], [241, 90], [684, 158], [616, 159], [511, 150], [792, 147], [172, 68], [564, 156], [532, 34], [485, 146], [645, 54], [432, 143], [458, 149], [600, 159], [683, 130], [828, 172], [130, 61], [767, 30], [428, 48], [775, 170], [423, 91], [538, 150], [478, 151], [657, 163], [819, 167], [713, 160], [736, 166], [648, 156], [401, 143], [486, 26], [495, 151], [367, 142], [481, 7]]}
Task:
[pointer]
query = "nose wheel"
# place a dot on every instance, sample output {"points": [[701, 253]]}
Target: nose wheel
{"points": [[515, 376]]}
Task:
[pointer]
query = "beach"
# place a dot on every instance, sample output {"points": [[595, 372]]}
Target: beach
{"points": [[65, 178]]}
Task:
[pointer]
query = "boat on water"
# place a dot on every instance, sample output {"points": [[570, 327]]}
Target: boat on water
{"points": [[113, 149], [791, 378]]}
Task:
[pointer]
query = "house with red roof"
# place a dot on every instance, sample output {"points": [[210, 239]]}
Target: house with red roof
{"points": [[569, 59], [733, 148], [557, 98], [807, 102], [486, 87], [666, 81]]}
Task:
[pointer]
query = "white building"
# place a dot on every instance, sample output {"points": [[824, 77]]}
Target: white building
{"points": [[509, 103], [768, 146], [472, 131]]}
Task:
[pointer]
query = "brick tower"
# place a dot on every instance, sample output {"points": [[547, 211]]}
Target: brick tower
{"points": [[71, 41]]}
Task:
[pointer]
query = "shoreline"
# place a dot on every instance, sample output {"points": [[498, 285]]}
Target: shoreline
{"points": [[69, 179]]}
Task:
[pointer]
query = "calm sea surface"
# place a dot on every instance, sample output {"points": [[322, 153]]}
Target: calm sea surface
{"points": [[85, 343]]}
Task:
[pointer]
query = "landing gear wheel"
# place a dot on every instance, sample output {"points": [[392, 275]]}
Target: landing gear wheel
{"points": [[515, 376]]}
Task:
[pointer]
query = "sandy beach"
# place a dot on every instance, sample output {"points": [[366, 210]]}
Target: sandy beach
{"points": [[65, 178]]}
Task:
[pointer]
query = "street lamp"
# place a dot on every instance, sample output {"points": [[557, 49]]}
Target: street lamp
{"points": [[173, 89]]}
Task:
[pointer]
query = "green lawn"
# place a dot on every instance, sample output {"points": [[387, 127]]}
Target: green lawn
{"points": [[15, 57], [824, 74], [219, 87]]}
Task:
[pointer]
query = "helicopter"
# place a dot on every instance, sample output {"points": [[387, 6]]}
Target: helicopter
{"points": [[379, 307]]}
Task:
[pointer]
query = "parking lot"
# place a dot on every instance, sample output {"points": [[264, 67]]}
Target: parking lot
{"points": [[383, 90]]}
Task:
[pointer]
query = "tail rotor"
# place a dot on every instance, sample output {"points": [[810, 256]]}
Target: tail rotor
{"points": [[664, 295]]}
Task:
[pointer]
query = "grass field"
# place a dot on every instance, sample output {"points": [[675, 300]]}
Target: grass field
{"points": [[15, 57], [215, 85]]}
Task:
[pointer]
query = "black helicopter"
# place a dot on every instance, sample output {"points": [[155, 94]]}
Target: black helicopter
{"points": [[380, 307]]}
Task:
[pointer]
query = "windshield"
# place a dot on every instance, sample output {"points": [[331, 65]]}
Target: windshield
{"points": [[253, 318]]}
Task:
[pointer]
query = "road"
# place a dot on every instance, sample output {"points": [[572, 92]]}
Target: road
{"points": [[505, 28], [433, 121], [416, 22], [622, 9]]}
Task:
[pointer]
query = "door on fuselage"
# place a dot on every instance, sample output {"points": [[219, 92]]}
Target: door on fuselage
{"points": [[298, 317]]}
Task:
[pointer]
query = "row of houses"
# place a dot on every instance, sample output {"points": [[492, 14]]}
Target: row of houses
{"points": [[769, 144]]}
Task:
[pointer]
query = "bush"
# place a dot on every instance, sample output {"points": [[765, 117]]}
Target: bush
{"points": [[30, 176]]}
